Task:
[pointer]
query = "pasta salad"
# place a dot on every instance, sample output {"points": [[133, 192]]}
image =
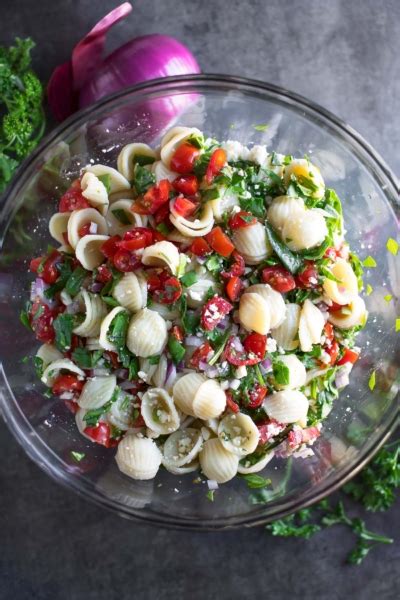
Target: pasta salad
{"points": [[202, 307]]}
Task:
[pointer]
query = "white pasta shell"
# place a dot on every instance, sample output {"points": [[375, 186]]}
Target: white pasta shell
{"points": [[161, 172], [167, 311], [95, 192], [238, 434], [182, 447], [356, 314], [147, 333], [224, 204], [286, 334], [196, 293], [95, 311], [58, 225], [120, 413], [123, 195], [115, 227], [209, 401], [159, 412], [196, 228], [311, 324], [88, 252], [162, 254], [160, 374], [305, 230], [288, 406], [118, 182], [105, 326], [130, 293], [188, 468], [343, 292], [93, 343], [185, 390], [52, 370], [82, 217], [254, 313], [301, 167], [48, 353], [177, 236], [297, 372], [276, 303], [147, 370], [81, 423], [138, 457], [126, 158], [174, 138], [256, 467], [97, 391], [282, 209], [216, 462], [251, 242], [66, 248]]}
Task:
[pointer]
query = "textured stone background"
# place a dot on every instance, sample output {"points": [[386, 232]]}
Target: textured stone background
{"points": [[342, 54]]}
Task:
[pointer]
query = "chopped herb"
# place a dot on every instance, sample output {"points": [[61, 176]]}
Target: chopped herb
{"points": [[75, 281], [162, 228], [110, 285], [39, 366], [369, 262], [176, 349], [92, 417], [392, 246], [292, 262], [262, 127], [388, 297], [372, 381], [189, 279], [281, 373], [255, 481], [182, 265], [86, 359], [210, 495], [143, 160], [218, 352], [397, 325], [369, 289], [23, 317], [142, 179], [259, 375], [122, 216], [77, 456], [106, 181], [154, 360], [133, 368], [63, 325], [110, 301]]}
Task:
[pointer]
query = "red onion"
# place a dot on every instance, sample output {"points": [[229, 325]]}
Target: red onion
{"points": [[38, 287], [342, 377], [237, 344], [87, 77], [170, 374], [73, 308], [193, 340], [96, 287], [128, 385], [122, 373], [266, 364]]}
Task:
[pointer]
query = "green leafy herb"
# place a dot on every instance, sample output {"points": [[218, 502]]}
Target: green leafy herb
{"points": [[388, 297], [110, 285], [133, 368], [75, 281], [121, 215], [290, 261], [106, 181], [154, 360], [369, 289], [397, 325], [294, 526], [77, 456], [214, 264], [176, 349], [255, 481], [24, 318], [63, 325], [92, 417], [217, 352], [117, 335], [181, 266], [39, 366], [372, 381], [392, 246], [162, 228], [262, 127], [189, 279], [210, 495], [110, 301], [142, 179], [281, 373], [142, 159], [369, 262], [85, 359]]}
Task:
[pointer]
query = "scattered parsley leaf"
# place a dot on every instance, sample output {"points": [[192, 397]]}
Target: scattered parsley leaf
{"points": [[210, 495], [372, 381], [369, 262], [23, 317], [142, 179], [255, 481], [106, 181], [290, 261], [122, 216], [75, 281], [369, 289], [86, 359], [388, 297], [261, 127], [397, 325], [77, 456], [176, 349], [63, 325], [392, 246], [281, 373], [189, 279]]}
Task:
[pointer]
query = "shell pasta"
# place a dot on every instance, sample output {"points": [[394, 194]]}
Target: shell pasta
{"points": [[202, 309]]}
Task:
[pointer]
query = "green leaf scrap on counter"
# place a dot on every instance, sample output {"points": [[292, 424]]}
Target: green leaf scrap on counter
{"points": [[369, 262], [392, 246], [372, 381]]}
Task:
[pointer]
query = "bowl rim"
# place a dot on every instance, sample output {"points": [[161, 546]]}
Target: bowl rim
{"points": [[75, 483]]}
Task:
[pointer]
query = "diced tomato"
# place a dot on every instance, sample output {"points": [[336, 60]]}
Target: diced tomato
{"points": [[184, 207], [73, 199], [154, 198], [330, 253], [200, 247], [126, 261], [101, 434], [242, 219], [269, 429], [136, 238], [236, 357], [217, 162], [308, 278], [237, 268], [41, 320], [214, 311], [220, 242], [65, 238], [310, 434], [335, 307], [184, 158], [200, 355], [328, 331], [186, 185], [279, 279], [48, 271], [67, 383], [138, 208], [113, 358], [34, 264], [233, 288], [170, 291], [109, 247], [162, 215], [72, 406], [84, 230], [103, 274], [333, 350], [230, 403], [256, 396], [295, 438], [255, 343], [177, 333], [349, 356]]}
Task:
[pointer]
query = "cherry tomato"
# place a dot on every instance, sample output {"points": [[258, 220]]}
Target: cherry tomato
{"points": [[333, 350], [233, 288], [170, 292], [256, 396], [220, 242], [84, 230], [162, 215], [230, 403], [109, 247], [279, 279], [328, 331], [126, 261], [48, 270], [255, 343], [217, 162], [41, 320], [349, 356], [242, 219], [101, 434], [136, 238], [186, 185], [269, 429], [235, 357], [177, 333], [214, 311], [237, 267], [184, 157], [103, 274], [73, 199], [184, 207], [200, 355], [67, 383], [308, 278], [200, 247], [34, 264]]}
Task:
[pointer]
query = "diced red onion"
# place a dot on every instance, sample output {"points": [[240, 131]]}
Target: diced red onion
{"points": [[122, 373], [342, 378], [223, 324], [73, 308], [100, 372], [96, 287], [193, 340], [266, 364], [170, 375], [128, 385], [237, 344], [180, 366]]}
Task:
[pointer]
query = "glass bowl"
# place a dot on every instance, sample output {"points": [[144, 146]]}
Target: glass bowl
{"points": [[227, 108]]}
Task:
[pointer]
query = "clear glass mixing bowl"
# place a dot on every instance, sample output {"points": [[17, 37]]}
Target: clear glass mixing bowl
{"points": [[227, 108]]}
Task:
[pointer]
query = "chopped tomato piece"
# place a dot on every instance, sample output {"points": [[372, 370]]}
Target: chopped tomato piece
{"points": [[186, 185], [126, 261], [72, 406], [200, 355], [103, 274], [255, 343], [155, 197], [177, 333], [333, 350], [230, 403], [184, 207], [170, 291], [200, 247], [136, 238], [214, 311], [233, 288], [308, 278], [328, 331], [269, 429], [34, 264], [109, 247], [41, 320], [335, 307], [330, 253], [310, 434], [184, 158], [84, 230], [235, 354], [256, 396], [295, 438], [220, 242], [349, 356], [48, 270], [217, 162], [162, 215], [279, 279], [73, 199], [67, 383], [101, 434], [237, 267], [113, 358], [242, 219]]}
